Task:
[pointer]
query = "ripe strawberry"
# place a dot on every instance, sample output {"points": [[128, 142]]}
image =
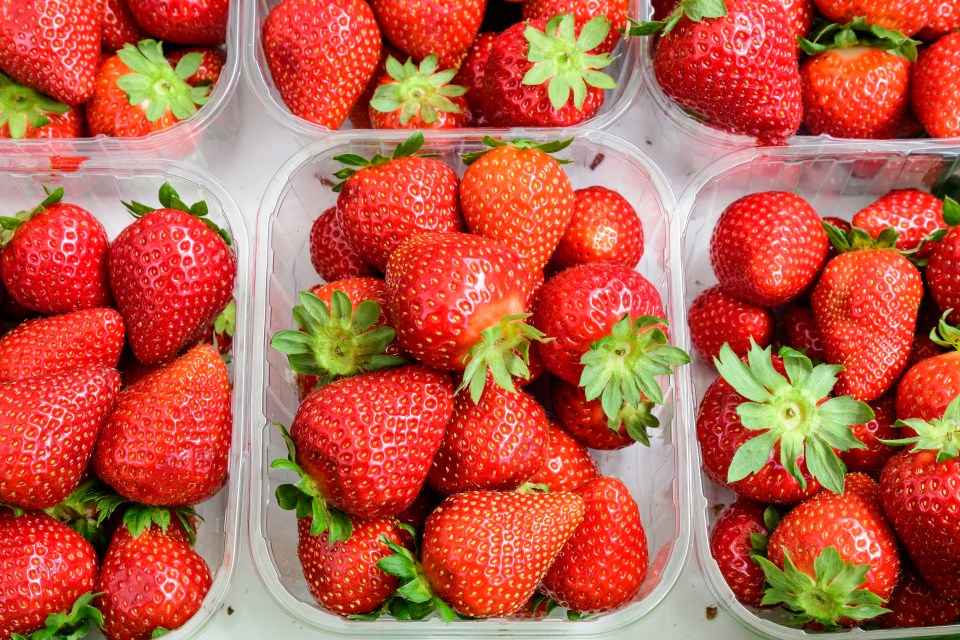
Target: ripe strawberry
{"points": [[914, 604], [518, 194], [45, 567], [589, 425], [171, 273], [716, 319], [420, 28], [748, 85], [148, 582], [470, 75], [412, 97], [602, 565], [740, 533], [768, 248], [833, 560], [923, 348], [117, 26], [773, 437], [422, 506], [386, 199], [583, 11], [138, 91], [535, 65], [304, 43], [799, 15], [873, 434], [56, 260], [935, 98], [930, 385], [912, 213], [944, 265], [905, 16], [802, 333], [865, 305], [25, 113], [52, 46], [944, 19], [916, 497], [604, 228], [331, 254], [45, 346], [176, 423], [567, 464], [212, 62], [360, 111], [196, 22]]}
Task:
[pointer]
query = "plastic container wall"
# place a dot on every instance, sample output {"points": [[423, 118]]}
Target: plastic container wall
{"points": [[656, 476]]}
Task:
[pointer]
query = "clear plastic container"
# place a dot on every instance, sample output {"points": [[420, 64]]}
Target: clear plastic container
{"points": [[616, 101], [99, 187], [837, 180], [656, 476]]}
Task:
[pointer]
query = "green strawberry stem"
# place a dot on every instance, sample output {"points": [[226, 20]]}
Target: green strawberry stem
{"points": [[170, 199], [422, 91], [406, 149], [695, 10], [79, 512], [831, 595], [561, 59], [759, 541], [859, 33], [414, 598], [622, 368], [138, 517], [504, 352], [306, 498], [951, 215], [789, 410], [859, 240], [945, 334], [337, 341], [521, 143], [940, 434], [69, 625], [10, 224], [159, 86], [21, 106]]}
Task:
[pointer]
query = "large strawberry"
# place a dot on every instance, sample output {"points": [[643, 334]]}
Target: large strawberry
{"points": [[740, 533], [25, 113], [198, 22], [913, 213], [906, 16], [171, 275], [420, 28], [304, 43], [604, 228], [418, 97], [331, 254], [935, 98], [716, 319], [930, 385], [942, 282]]}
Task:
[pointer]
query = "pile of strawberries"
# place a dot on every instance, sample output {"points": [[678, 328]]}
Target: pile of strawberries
{"points": [[95, 67], [115, 416], [442, 64], [843, 448], [844, 68], [476, 336]]}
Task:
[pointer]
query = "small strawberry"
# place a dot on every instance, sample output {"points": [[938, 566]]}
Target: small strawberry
{"points": [[412, 97], [25, 113], [914, 604], [470, 75], [942, 282], [716, 319], [930, 385], [586, 421], [567, 465], [604, 228], [331, 254], [117, 26], [55, 258], [196, 22], [906, 16], [420, 28], [935, 98], [802, 333], [740, 533], [583, 11], [874, 434], [912, 213]]}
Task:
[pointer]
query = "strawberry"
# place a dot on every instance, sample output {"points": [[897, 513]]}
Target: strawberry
{"points": [[25, 113], [567, 464], [583, 11], [167, 306], [117, 26], [935, 98], [518, 194], [331, 254], [45, 567], [874, 434], [833, 560], [914, 604], [495, 443], [148, 582], [212, 62], [360, 111], [773, 437], [768, 248], [412, 97], [176, 423], [534, 67], [470, 74], [422, 506], [740, 533], [944, 19], [304, 43], [386, 199], [928, 387], [942, 281], [604, 228], [63, 51], [747, 84], [46, 346], [905, 16], [56, 260], [589, 425], [912, 213], [923, 348], [802, 333], [420, 28], [865, 305], [602, 565], [197, 22], [914, 490], [138, 92], [716, 319]]}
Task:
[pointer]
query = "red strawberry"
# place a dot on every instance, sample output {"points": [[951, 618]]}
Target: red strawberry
{"points": [[716, 319], [602, 565], [923, 348], [360, 111], [45, 567], [197, 22], [177, 424], [740, 533], [385, 200], [944, 265], [589, 425], [45, 346], [914, 604], [944, 19], [568, 465], [171, 275], [604, 228], [212, 62], [148, 582], [905, 16], [799, 14], [304, 43], [873, 434], [802, 333], [331, 254], [470, 74], [412, 97], [768, 248], [914, 214], [52, 46], [25, 113], [930, 385], [420, 28], [117, 26], [423, 505], [583, 11], [56, 260], [934, 96], [519, 195]]}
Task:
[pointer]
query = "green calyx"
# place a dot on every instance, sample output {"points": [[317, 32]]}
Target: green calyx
{"points": [[951, 215], [859, 33], [406, 149], [523, 144], [940, 434], [788, 410], [422, 91], [831, 595], [159, 632], [161, 87], [306, 498], [945, 334], [69, 625], [10, 224], [336, 341], [859, 240], [21, 106], [695, 10], [170, 199], [504, 352], [79, 512], [138, 517], [561, 59], [760, 541], [622, 368]]}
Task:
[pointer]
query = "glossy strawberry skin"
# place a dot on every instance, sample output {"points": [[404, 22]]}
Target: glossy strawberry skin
{"points": [[716, 319], [942, 282], [730, 546], [176, 422], [905, 16], [616, 11], [872, 459], [331, 254], [802, 333], [567, 464], [914, 214], [604, 228], [419, 28], [585, 419], [914, 604], [944, 19], [71, 124], [928, 387], [470, 75], [196, 22], [117, 26], [933, 94]]}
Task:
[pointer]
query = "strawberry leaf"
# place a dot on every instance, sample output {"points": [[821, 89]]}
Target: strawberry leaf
{"points": [[695, 10], [502, 352], [940, 434], [155, 86], [951, 211], [422, 91]]}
